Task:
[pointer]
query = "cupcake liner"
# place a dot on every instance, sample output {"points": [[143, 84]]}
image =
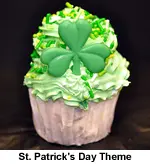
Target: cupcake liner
{"points": [[58, 123]]}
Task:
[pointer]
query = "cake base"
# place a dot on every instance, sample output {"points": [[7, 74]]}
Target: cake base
{"points": [[58, 123]]}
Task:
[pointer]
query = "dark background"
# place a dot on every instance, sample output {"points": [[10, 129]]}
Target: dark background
{"points": [[130, 18]]}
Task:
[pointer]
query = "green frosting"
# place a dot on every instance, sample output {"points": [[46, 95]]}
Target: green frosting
{"points": [[48, 36], [75, 89], [76, 86]]}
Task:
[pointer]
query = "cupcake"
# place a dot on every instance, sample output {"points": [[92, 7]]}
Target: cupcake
{"points": [[75, 78]]}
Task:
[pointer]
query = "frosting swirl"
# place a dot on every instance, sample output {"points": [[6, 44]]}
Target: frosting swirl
{"points": [[73, 88], [76, 90], [102, 31]]}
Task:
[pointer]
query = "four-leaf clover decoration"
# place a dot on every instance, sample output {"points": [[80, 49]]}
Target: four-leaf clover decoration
{"points": [[75, 35]]}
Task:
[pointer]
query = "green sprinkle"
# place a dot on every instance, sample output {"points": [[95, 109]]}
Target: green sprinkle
{"points": [[89, 73], [90, 91], [112, 45], [72, 11], [32, 64], [91, 94], [50, 42], [69, 5], [32, 69], [61, 14], [38, 70], [47, 18], [84, 104], [84, 78], [34, 54], [53, 41], [78, 9], [87, 84], [73, 15], [42, 37], [105, 38], [39, 44], [101, 28], [63, 46], [86, 12]]}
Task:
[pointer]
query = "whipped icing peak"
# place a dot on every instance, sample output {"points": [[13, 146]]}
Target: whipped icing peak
{"points": [[76, 90]]}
